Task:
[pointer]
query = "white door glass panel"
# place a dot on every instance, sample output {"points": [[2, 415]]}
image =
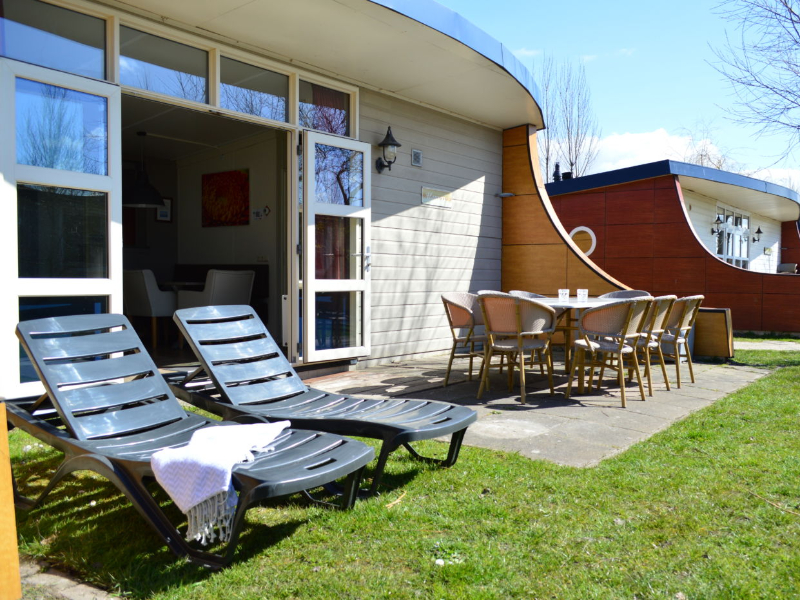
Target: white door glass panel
{"points": [[336, 215], [60, 128], [62, 225]]}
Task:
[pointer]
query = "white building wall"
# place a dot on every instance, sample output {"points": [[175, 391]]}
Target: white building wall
{"points": [[420, 251], [764, 255]]}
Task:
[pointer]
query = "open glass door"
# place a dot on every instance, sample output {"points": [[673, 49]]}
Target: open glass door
{"points": [[336, 222], [61, 190]]}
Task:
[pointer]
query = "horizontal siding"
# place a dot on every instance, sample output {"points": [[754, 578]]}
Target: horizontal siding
{"points": [[420, 251]]}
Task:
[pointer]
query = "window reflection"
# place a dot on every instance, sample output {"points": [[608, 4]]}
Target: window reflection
{"points": [[53, 37], [338, 320], [254, 91], [324, 109], [153, 63], [61, 128], [339, 175], [62, 232], [337, 247]]}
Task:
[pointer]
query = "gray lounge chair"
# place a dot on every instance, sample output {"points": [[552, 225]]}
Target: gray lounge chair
{"points": [[108, 410], [251, 378]]}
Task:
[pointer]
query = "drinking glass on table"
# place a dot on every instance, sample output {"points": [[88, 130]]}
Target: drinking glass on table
{"points": [[583, 295], [563, 295]]}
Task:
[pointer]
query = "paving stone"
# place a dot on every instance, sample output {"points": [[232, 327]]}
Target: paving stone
{"points": [[53, 580]]}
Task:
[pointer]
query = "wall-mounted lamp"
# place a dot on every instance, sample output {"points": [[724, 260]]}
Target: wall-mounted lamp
{"points": [[390, 146], [757, 236], [715, 230]]}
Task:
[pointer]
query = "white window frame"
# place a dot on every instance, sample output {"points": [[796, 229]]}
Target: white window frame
{"points": [[14, 286], [742, 262]]}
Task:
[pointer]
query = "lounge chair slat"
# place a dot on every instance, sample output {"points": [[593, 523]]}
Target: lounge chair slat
{"points": [[107, 396], [101, 370], [119, 422], [241, 350], [72, 324], [236, 373], [233, 330], [85, 346], [278, 388]]}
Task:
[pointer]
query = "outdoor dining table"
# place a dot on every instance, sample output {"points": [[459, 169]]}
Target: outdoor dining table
{"points": [[572, 308]]}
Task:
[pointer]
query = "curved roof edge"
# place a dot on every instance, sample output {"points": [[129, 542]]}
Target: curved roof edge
{"points": [[668, 167], [450, 23]]}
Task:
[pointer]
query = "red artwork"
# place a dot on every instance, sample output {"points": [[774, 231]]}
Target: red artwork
{"points": [[226, 198]]}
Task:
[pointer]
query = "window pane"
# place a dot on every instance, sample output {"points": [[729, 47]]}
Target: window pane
{"points": [[62, 232], [61, 128], [339, 175], [160, 65], [53, 37], [54, 306], [338, 247], [324, 109], [253, 91], [338, 320]]}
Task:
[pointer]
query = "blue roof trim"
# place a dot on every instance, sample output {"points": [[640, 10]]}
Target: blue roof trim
{"points": [[667, 167], [453, 25]]}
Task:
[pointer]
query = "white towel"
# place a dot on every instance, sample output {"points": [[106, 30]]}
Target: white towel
{"points": [[198, 476]]}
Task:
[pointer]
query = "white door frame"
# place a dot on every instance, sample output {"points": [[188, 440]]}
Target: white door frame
{"points": [[311, 285], [15, 287]]}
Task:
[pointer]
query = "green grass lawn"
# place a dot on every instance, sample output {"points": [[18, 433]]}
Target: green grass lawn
{"points": [[709, 508]]}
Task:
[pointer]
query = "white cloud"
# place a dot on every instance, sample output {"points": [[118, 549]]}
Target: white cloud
{"points": [[620, 150], [526, 53], [588, 58], [626, 51]]}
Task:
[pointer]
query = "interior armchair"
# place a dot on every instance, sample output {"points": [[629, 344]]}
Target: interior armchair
{"points": [[221, 288], [143, 298]]}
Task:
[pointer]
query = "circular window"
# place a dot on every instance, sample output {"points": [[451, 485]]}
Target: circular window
{"points": [[584, 238]]}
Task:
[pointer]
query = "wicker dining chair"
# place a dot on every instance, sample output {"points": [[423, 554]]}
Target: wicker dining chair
{"points": [[624, 294], [514, 327], [680, 323], [464, 315], [608, 333], [655, 325]]}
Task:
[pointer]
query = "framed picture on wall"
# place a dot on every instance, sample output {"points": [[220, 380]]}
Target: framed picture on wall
{"points": [[164, 213]]}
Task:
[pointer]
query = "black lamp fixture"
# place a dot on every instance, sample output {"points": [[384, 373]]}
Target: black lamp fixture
{"points": [[141, 193], [390, 146], [715, 230], [757, 236]]}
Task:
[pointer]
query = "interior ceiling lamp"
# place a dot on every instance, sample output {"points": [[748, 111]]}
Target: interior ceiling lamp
{"points": [[757, 236], [715, 230], [390, 146], [141, 193]]}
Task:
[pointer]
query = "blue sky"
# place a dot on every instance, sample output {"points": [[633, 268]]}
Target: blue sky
{"points": [[647, 64]]}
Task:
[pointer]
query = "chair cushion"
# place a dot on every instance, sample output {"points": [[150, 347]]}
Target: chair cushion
{"points": [[603, 346], [510, 344], [478, 339], [671, 339]]}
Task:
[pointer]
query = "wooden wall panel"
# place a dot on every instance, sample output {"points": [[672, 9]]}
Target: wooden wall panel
{"points": [[534, 268], [745, 308], [638, 271], [9, 555], [682, 276], [674, 241], [626, 240], [538, 254], [721, 277], [780, 312], [629, 208], [667, 206], [783, 284]]}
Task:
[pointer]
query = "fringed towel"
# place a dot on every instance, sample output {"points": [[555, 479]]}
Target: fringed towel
{"points": [[198, 476]]}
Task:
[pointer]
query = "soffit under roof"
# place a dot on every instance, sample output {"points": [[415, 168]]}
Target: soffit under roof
{"points": [[758, 202], [374, 46]]}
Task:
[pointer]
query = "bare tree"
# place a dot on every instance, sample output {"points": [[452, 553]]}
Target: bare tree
{"points": [[703, 149], [572, 133], [762, 64]]}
